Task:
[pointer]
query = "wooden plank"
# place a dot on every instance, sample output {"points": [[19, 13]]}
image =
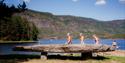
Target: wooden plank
{"points": [[65, 48]]}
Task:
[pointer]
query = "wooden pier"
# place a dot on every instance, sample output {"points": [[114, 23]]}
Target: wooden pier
{"points": [[84, 49]]}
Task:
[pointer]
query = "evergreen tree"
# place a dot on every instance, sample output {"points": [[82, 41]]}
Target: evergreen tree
{"points": [[22, 7], [13, 27]]}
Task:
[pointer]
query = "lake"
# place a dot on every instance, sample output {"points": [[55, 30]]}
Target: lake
{"points": [[7, 48]]}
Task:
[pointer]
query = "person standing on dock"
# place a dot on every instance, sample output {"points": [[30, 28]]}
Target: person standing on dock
{"points": [[81, 38], [96, 39], [69, 38]]}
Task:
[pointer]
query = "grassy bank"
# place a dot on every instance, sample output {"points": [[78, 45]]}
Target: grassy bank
{"points": [[110, 59], [105, 59], [117, 56]]}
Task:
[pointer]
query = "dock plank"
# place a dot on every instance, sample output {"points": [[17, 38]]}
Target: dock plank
{"points": [[65, 48]]}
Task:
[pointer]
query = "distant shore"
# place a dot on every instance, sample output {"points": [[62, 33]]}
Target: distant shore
{"points": [[11, 42]]}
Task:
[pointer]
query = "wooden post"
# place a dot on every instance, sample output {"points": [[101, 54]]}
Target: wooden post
{"points": [[43, 55], [86, 55]]}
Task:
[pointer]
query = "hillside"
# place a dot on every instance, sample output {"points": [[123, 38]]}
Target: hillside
{"points": [[13, 27], [51, 25]]}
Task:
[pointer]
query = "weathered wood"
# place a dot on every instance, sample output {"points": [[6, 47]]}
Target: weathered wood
{"points": [[63, 48]]}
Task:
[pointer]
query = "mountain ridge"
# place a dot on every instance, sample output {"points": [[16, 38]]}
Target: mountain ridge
{"points": [[52, 25]]}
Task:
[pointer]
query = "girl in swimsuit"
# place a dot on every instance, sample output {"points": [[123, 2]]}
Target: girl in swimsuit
{"points": [[81, 38], [96, 39], [69, 38]]}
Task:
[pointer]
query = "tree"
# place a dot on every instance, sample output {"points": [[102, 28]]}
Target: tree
{"points": [[22, 7], [14, 27]]}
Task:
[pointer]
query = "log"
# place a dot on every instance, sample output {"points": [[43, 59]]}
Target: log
{"points": [[65, 48]]}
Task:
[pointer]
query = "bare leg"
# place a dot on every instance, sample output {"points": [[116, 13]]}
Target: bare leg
{"points": [[82, 42]]}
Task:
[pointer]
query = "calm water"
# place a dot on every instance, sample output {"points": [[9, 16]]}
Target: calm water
{"points": [[7, 48]]}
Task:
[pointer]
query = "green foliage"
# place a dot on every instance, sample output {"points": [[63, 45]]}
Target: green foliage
{"points": [[116, 58], [8, 11], [34, 32], [28, 24], [22, 7], [118, 36], [14, 27]]}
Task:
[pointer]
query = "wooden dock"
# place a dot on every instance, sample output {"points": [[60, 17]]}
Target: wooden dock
{"points": [[60, 48], [85, 50]]}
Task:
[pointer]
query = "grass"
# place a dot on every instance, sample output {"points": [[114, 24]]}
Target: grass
{"points": [[116, 58], [68, 59], [111, 59]]}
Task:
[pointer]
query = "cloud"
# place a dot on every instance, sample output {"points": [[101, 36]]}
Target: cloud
{"points": [[27, 1], [122, 1], [75, 0], [100, 2]]}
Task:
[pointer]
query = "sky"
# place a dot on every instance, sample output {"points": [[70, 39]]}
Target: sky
{"points": [[104, 10]]}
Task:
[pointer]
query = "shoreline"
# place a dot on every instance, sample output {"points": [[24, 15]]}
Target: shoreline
{"points": [[110, 53], [7, 42], [64, 59], [120, 53], [14, 42]]}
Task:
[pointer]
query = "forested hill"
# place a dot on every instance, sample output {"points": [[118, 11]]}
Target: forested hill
{"points": [[12, 26], [20, 23], [58, 26]]}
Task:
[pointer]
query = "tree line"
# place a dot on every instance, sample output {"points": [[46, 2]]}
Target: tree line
{"points": [[14, 27]]}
